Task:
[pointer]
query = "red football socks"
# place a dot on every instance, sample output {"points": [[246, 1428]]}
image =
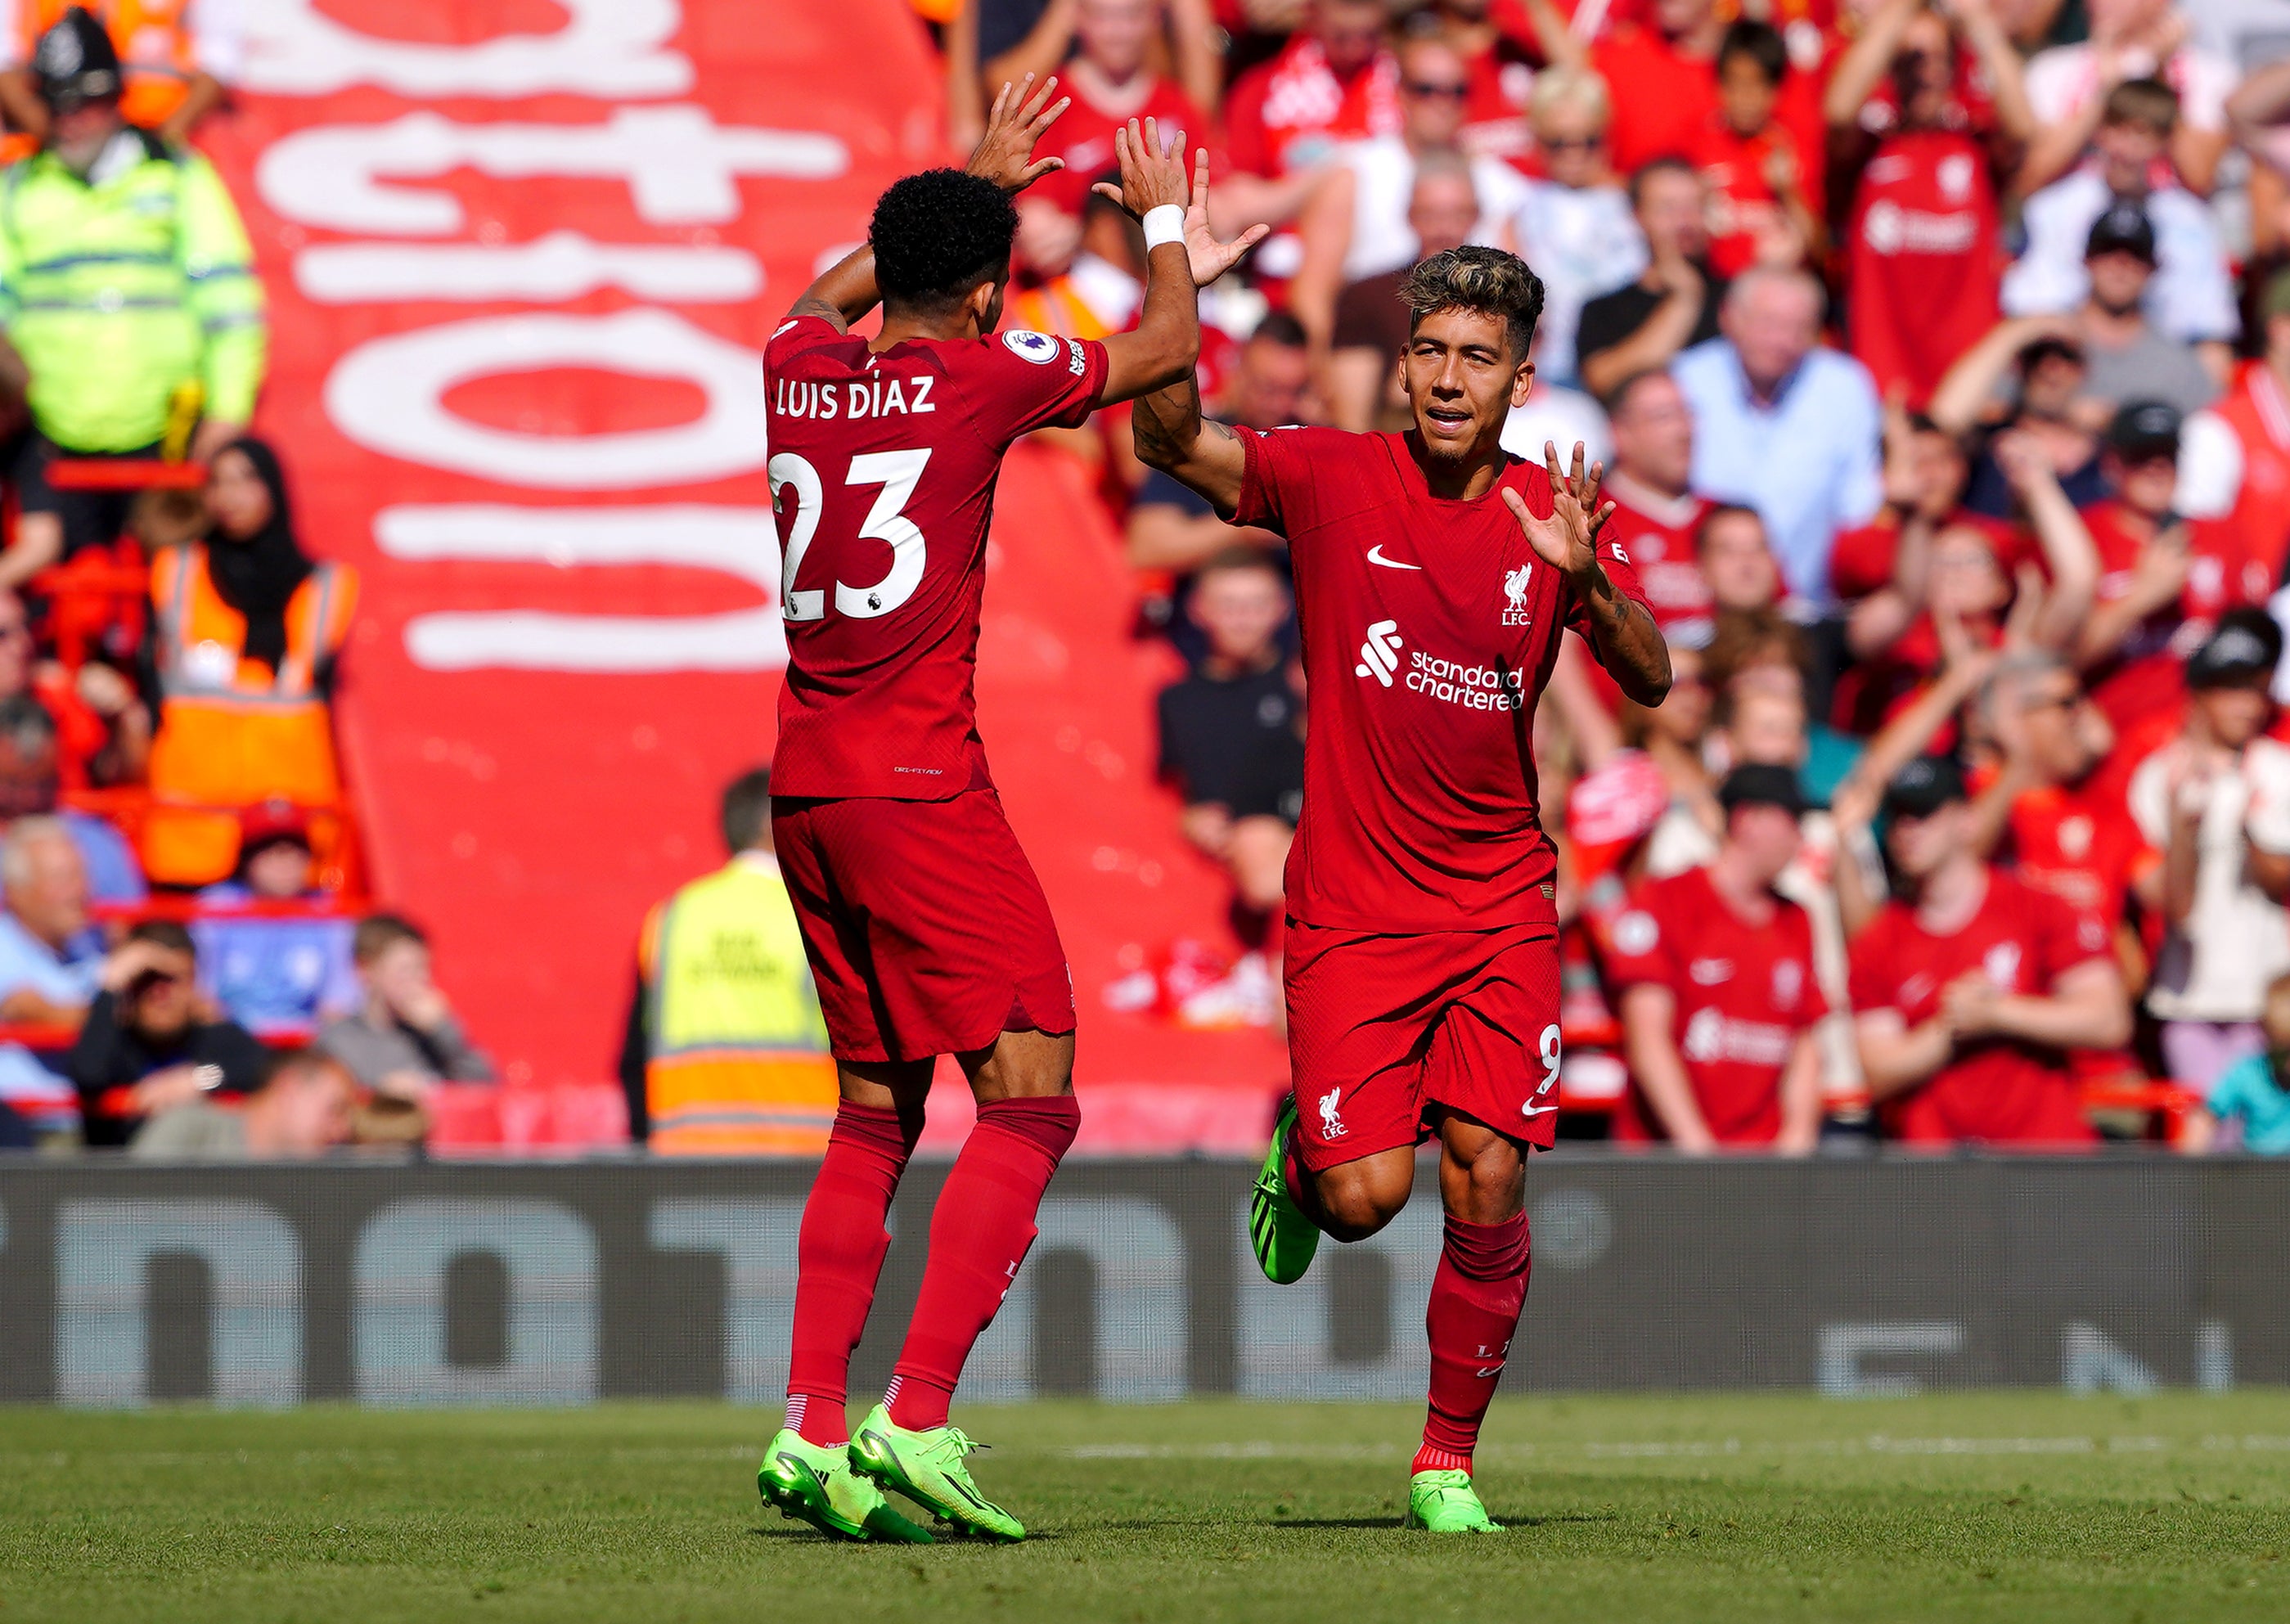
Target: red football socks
{"points": [[980, 1234], [1476, 1294], [839, 1255]]}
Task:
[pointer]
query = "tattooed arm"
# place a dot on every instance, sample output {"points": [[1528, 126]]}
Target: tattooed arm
{"points": [[1171, 435]]}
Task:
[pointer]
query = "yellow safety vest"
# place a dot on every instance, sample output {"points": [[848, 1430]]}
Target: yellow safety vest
{"points": [[738, 1063]]}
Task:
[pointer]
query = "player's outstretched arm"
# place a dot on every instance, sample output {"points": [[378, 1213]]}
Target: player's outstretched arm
{"points": [[1171, 434], [1141, 361], [846, 291], [1622, 631]]}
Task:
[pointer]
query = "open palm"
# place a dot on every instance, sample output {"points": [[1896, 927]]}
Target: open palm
{"points": [[1568, 539], [1208, 258]]}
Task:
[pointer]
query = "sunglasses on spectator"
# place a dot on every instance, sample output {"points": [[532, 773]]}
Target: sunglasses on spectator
{"points": [[1574, 143], [1455, 90]]}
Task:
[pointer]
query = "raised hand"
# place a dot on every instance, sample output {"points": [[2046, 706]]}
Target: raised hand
{"points": [[1152, 171], [1209, 257], [1005, 152], [1568, 539]]}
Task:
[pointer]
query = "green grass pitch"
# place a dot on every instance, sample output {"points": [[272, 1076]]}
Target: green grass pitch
{"points": [[2002, 1506]]}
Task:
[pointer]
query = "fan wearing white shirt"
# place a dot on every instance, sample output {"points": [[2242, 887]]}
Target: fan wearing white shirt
{"points": [[1576, 228]]}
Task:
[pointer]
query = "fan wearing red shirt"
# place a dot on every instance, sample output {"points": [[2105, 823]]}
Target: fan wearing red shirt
{"points": [[1336, 81], [2043, 811], [2164, 580], [1657, 517], [1970, 986], [1764, 176], [926, 930], [1435, 574], [1720, 998], [1110, 78], [1934, 138]]}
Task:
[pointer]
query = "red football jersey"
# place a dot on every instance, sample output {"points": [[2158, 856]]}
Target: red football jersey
{"points": [[1994, 1090], [1429, 627], [1288, 113], [1744, 993], [1657, 534], [2079, 844], [1923, 257], [2144, 678], [882, 472], [1741, 203]]}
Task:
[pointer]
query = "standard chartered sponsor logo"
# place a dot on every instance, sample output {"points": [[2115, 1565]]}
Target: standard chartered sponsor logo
{"points": [[1473, 687], [1380, 654], [1713, 1036]]}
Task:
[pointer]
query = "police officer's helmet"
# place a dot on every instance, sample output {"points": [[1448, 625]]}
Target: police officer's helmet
{"points": [[76, 62]]}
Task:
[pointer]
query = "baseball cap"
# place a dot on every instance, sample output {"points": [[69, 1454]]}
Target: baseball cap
{"points": [[1762, 784], [2124, 228], [2245, 643], [2144, 429], [267, 822], [1924, 787]]}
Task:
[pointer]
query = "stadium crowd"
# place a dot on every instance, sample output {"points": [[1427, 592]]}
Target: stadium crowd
{"points": [[188, 961], [1939, 351]]}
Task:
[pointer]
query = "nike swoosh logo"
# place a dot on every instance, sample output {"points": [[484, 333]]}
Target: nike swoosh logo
{"points": [[1375, 556], [1535, 1110]]}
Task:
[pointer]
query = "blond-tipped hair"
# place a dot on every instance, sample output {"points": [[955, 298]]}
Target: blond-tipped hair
{"points": [[1475, 278]]}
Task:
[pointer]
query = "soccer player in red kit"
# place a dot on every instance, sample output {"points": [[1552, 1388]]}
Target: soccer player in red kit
{"points": [[1435, 573], [1971, 986], [926, 930], [1719, 1000]]}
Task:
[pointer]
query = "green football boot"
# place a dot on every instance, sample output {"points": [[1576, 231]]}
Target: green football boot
{"points": [[813, 1484], [1445, 1502], [1282, 1238], [927, 1468]]}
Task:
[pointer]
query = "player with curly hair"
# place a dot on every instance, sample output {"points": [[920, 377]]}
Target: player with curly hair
{"points": [[926, 930]]}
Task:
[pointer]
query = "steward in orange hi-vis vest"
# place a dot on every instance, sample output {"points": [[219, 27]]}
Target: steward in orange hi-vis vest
{"points": [[235, 730]]}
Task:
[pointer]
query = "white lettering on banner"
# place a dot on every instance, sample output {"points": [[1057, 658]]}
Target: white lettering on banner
{"points": [[561, 265], [679, 166], [738, 542], [388, 395], [755, 1240], [606, 48]]}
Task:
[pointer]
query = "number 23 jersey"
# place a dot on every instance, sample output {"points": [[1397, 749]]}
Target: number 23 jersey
{"points": [[882, 471], [1429, 627]]}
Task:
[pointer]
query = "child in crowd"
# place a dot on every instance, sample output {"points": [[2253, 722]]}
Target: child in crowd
{"points": [[1761, 173], [2252, 1095]]}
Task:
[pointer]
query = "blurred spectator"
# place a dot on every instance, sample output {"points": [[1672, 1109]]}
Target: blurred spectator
{"points": [[2249, 1104], [1720, 998], [1111, 79], [1171, 527], [1783, 426], [28, 777], [1664, 71], [2127, 357], [1335, 81], [1356, 225], [305, 1107], [1764, 180], [2259, 112], [725, 1052], [1502, 43], [1232, 733], [2165, 579], [1926, 474], [51, 958], [2041, 809], [278, 977], [1017, 37], [2235, 460], [152, 1041], [1657, 518], [103, 731], [405, 1038], [2130, 39], [1575, 225], [1920, 161], [178, 60], [1642, 325], [1074, 275], [128, 293], [2190, 297], [1371, 322], [1735, 558], [2215, 804], [1970, 985], [2027, 379], [246, 632]]}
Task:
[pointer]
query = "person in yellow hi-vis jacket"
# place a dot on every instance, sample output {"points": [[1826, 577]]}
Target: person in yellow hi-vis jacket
{"points": [[725, 1052], [128, 294]]}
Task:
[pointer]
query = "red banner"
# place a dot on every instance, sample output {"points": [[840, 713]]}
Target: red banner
{"points": [[521, 259]]}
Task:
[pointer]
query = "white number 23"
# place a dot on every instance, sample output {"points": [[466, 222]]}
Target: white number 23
{"points": [[897, 472]]}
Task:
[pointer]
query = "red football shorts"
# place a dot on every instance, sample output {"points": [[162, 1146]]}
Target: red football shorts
{"points": [[926, 930], [1381, 1029]]}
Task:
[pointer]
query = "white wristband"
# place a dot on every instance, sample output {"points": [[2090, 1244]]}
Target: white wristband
{"points": [[1164, 224]]}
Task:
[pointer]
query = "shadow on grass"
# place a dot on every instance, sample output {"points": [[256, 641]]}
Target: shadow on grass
{"points": [[1401, 1521]]}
